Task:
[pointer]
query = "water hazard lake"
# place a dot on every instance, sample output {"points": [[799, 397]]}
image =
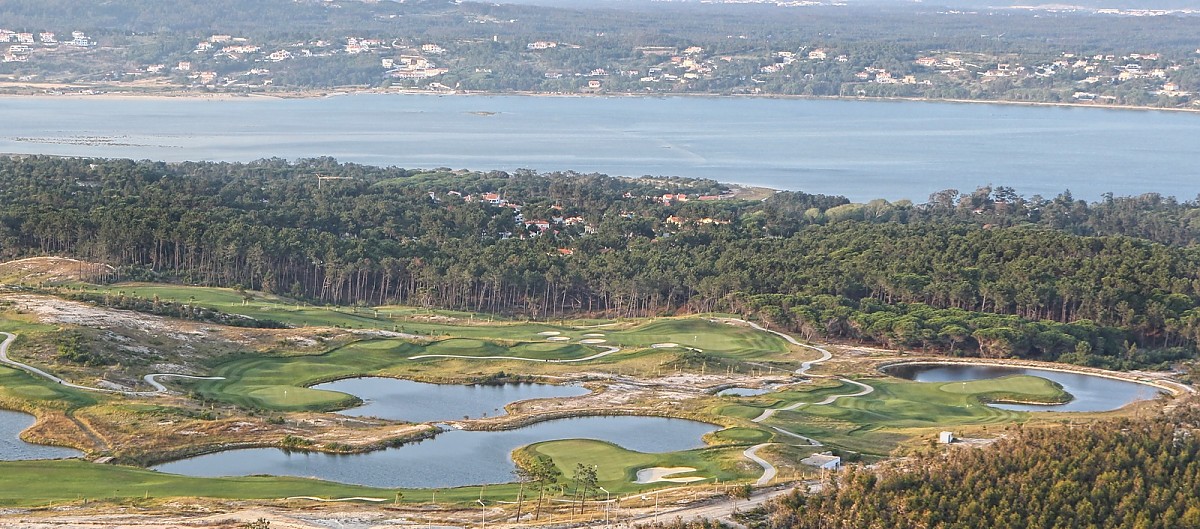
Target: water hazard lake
{"points": [[452, 459], [861, 149], [405, 400], [1092, 393], [12, 448]]}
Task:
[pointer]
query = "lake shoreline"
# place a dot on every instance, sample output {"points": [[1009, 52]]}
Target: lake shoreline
{"points": [[168, 95]]}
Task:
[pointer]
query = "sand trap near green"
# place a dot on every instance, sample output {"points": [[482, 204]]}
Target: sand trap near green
{"points": [[667, 475]]}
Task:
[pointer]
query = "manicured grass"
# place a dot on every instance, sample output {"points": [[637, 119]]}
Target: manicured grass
{"points": [[1022, 388], [34, 483], [716, 338], [278, 382], [19, 387], [536, 350], [617, 467], [877, 423], [743, 435]]}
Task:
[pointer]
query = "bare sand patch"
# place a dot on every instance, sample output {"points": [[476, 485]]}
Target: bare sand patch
{"points": [[665, 345], [663, 474], [549, 333], [558, 339], [593, 335], [592, 340]]}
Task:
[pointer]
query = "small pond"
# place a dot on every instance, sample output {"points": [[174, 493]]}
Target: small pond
{"points": [[743, 392], [452, 459], [405, 400], [12, 448], [1092, 393]]}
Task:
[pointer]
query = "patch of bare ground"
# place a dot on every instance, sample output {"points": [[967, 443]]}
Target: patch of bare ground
{"points": [[137, 344], [152, 434], [47, 270]]}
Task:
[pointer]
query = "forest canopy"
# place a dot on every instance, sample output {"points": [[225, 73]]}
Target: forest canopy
{"points": [[987, 273]]}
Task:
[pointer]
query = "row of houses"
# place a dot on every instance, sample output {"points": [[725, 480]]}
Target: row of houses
{"points": [[78, 39]]}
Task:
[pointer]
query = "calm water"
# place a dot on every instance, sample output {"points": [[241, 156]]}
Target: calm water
{"points": [[12, 448], [862, 149], [1091, 393], [452, 459], [744, 392], [405, 400]]}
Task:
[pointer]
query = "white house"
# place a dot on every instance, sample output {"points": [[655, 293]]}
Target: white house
{"points": [[946, 438], [823, 461]]}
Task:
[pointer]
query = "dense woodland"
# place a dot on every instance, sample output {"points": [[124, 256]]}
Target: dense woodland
{"points": [[1114, 283], [1135, 474]]}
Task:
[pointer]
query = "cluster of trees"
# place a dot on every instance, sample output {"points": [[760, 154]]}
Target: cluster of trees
{"points": [[1136, 474], [1051, 279]]}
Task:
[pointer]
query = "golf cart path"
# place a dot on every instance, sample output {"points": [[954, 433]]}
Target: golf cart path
{"points": [[150, 379], [804, 368], [769, 470], [610, 350]]}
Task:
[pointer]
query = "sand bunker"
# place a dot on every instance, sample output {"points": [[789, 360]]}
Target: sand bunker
{"points": [[549, 333], [663, 474], [558, 339], [593, 340], [664, 345], [593, 335]]}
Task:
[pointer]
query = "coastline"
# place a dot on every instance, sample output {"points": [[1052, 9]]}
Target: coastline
{"points": [[185, 94]]}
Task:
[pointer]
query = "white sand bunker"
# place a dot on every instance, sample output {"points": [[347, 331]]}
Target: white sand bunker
{"points": [[593, 340], [558, 339], [549, 333], [593, 335], [664, 345], [661, 474]]}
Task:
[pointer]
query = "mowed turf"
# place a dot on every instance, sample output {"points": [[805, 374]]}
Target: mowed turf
{"points": [[34, 483], [19, 387], [716, 338], [279, 382], [617, 467], [40, 482], [875, 423], [1024, 388]]}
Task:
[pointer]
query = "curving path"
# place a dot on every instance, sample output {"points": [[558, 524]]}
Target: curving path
{"points": [[159, 389], [769, 470], [352, 498], [152, 379], [611, 350]]}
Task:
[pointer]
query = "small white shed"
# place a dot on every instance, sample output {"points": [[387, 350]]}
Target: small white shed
{"points": [[946, 438]]}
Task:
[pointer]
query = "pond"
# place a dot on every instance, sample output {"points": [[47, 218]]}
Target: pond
{"points": [[744, 392], [1092, 393], [12, 448], [405, 400], [452, 459]]}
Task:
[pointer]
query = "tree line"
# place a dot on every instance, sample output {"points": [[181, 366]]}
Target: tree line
{"points": [[987, 273]]}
